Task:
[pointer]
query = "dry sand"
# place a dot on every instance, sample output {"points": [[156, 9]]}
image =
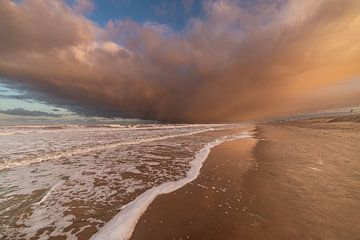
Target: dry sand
{"points": [[300, 180]]}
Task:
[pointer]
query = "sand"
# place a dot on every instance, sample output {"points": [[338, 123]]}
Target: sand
{"points": [[299, 180]]}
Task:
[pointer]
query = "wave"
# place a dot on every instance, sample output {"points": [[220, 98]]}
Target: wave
{"points": [[49, 192], [123, 224], [94, 128], [71, 152]]}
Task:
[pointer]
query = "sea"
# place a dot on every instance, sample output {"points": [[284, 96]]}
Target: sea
{"points": [[95, 181]]}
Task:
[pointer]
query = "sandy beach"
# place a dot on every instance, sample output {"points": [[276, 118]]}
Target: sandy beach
{"points": [[280, 180], [75, 188], [295, 180]]}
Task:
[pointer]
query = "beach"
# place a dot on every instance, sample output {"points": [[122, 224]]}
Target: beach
{"points": [[294, 180], [76, 180]]}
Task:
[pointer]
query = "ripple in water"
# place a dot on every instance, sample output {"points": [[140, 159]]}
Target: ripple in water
{"points": [[69, 181]]}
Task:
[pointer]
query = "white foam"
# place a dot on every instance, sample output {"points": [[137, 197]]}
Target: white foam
{"points": [[71, 152], [123, 224], [48, 193], [7, 133], [101, 128]]}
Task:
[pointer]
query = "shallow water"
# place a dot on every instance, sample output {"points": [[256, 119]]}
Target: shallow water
{"points": [[68, 181]]}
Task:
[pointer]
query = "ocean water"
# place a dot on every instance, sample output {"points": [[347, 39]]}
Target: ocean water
{"points": [[72, 182]]}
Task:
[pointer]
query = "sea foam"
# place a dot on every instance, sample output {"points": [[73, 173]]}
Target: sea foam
{"points": [[123, 224], [76, 151]]}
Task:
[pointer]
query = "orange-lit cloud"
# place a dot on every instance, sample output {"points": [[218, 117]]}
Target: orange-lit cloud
{"points": [[238, 62]]}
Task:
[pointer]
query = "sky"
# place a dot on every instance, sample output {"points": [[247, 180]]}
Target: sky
{"points": [[177, 60]]}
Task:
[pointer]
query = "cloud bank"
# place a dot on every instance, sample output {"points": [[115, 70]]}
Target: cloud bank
{"points": [[239, 61], [27, 113]]}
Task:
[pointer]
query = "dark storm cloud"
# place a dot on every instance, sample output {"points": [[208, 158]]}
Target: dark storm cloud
{"points": [[242, 60]]}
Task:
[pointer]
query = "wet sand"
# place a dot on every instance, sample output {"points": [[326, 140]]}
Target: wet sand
{"points": [[300, 180]]}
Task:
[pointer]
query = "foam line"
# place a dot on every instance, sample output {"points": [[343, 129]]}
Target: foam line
{"points": [[7, 133], [48, 193], [123, 224], [72, 152], [101, 128]]}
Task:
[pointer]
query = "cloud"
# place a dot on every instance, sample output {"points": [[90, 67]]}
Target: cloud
{"points": [[83, 6], [27, 113], [239, 61], [13, 96], [41, 26]]}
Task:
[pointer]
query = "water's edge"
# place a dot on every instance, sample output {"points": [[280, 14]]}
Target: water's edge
{"points": [[123, 224]]}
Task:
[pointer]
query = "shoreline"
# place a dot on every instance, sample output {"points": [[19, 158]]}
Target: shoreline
{"points": [[208, 199], [122, 225], [298, 178]]}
